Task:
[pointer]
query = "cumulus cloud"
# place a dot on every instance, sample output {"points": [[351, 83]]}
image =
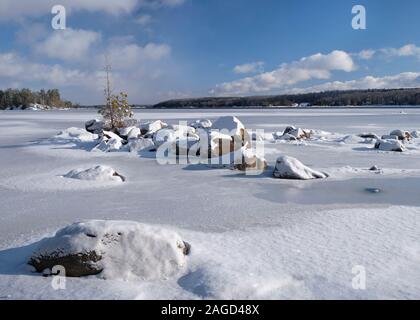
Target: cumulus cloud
{"points": [[402, 80], [249, 67], [318, 66], [13, 66], [409, 50], [12, 9], [68, 44]]}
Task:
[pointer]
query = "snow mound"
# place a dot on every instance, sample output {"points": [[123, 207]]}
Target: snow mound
{"points": [[98, 173], [390, 145], [115, 249], [291, 168], [74, 135]]}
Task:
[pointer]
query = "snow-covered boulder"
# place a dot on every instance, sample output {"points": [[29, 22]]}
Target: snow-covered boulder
{"points": [[152, 127], [235, 128], [129, 132], [94, 126], [98, 173], [297, 133], [115, 249], [141, 144], [164, 135], [390, 145], [291, 168], [389, 137], [110, 142], [401, 134], [201, 124], [182, 130], [292, 134], [250, 161]]}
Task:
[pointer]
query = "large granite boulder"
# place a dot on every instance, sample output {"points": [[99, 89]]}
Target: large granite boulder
{"points": [[113, 249]]}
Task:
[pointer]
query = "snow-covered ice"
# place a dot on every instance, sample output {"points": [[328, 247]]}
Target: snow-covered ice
{"points": [[251, 236]]}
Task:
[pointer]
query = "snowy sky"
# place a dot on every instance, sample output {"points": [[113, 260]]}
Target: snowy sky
{"points": [[162, 49]]}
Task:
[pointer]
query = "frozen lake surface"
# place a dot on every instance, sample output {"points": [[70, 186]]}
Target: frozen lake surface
{"points": [[252, 237]]}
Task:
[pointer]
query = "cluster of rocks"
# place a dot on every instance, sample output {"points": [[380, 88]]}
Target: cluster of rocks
{"points": [[395, 141], [292, 133], [203, 138]]}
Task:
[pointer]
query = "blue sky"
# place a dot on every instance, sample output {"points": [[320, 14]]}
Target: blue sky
{"points": [[162, 49]]}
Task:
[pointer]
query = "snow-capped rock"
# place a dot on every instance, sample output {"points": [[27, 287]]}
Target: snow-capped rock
{"points": [[98, 173], [141, 144], [235, 128], [291, 168], [415, 134], [113, 249], [401, 134], [250, 161], [182, 130], [297, 133], [94, 126], [201, 124], [129, 132], [152, 127], [390, 145]]}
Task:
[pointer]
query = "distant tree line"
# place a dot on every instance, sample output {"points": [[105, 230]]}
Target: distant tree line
{"points": [[25, 97], [374, 97]]}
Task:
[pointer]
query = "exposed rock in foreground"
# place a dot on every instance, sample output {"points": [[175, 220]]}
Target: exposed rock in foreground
{"points": [[291, 168], [115, 249], [98, 173]]}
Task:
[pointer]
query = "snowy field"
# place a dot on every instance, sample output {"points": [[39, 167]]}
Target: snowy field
{"points": [[252, 237]]}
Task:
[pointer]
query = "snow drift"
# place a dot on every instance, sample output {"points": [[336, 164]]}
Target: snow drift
{"points": [[113, 249]]}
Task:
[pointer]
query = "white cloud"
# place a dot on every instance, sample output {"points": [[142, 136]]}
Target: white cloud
{"points": [[366, 54], [402, 80], [18, 9], [318, 66], [68, 44], [144, 20], [132, 56], [14, 67], [409, 50], [252, 67]]}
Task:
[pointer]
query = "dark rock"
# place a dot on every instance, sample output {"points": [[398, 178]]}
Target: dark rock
{"points": [[76, 265]]}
